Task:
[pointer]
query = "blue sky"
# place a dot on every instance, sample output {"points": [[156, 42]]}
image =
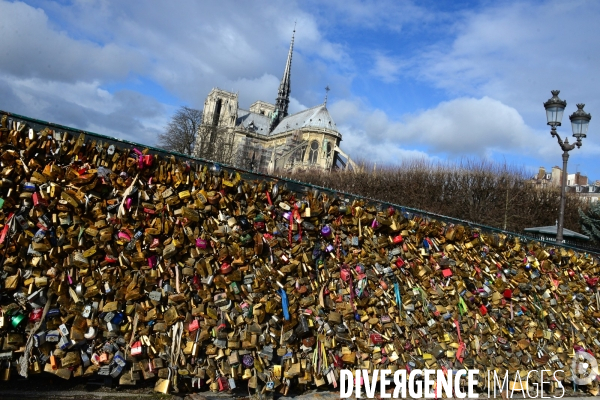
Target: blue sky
{"points": [[440, 80]]}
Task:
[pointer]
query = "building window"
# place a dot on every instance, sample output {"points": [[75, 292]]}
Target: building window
{"points": [[328, 149], [217, 113], [314, 152]]}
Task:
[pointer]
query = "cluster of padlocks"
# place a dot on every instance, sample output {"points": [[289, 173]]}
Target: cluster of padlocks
{"points": [[136, 265]]}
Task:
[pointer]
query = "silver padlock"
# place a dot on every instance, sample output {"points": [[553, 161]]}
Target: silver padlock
{"points": [[119, 359], [39, 339], [104, 370], [64, 343], [63, 330], [53, 336], [155, 295], [87, 311], [109, 316], [85, 359]]}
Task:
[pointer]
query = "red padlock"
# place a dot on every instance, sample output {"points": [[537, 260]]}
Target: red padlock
{"points": [[223, 383], [136, 348], [225, 268], [36, 315], [148, 159], [508, 294], [592, 282], [376, 339], [398, 239], [483, 309], [38, 200]]}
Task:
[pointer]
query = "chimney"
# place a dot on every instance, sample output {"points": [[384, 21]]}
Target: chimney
{"points": [[542, 173], [556, 176]]}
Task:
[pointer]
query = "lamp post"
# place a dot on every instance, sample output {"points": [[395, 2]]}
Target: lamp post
{"points": [[580, 121]]}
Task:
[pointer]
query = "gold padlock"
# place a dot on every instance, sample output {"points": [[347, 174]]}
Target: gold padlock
{"points": [[162, 385], [6, 373], [35, 366]]}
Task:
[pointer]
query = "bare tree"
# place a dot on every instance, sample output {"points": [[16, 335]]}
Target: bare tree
{"points": [[479, 191], [180, 132], [216, 143]]}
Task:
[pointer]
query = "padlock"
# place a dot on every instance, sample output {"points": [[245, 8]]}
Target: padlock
{"points": [[163, 385], [35, 366], [6, 371], [369, 285], [136, 348]]}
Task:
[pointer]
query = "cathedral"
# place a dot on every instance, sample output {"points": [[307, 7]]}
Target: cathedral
{"points": [[265, 137]]}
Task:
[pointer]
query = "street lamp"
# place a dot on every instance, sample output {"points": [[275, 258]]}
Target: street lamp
{"points": [[580, 121]]}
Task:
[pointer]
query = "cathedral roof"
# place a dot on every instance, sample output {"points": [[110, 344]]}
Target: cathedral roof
{"points": [[258, 123], [315, 117]]}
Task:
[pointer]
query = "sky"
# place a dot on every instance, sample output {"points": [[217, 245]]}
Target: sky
{"points": [[434, 80]]}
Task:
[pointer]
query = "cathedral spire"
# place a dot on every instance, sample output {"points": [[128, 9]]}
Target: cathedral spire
{"points": [[283, 95]]}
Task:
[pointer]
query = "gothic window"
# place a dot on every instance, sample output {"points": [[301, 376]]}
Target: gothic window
{"points": [[328, 149], [217, 113], [314, 152]]}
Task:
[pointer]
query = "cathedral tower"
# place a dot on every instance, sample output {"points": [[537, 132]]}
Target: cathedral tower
{"points": [[283, 96]]}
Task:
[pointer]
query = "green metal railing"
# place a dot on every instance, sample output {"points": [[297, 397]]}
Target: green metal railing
{"points": [[295, 185]]}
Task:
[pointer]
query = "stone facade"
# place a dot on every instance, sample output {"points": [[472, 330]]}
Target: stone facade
{"points": [[265, 138]]}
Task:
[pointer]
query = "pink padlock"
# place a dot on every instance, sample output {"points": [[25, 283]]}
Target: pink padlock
{"points": [[124, 236], [345, 275], [193, 326], [201, 243]]}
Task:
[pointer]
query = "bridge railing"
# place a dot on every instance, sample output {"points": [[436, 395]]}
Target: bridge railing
{"points": [[297, 186]]}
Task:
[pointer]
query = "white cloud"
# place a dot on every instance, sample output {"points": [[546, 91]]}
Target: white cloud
{"points": [[195, 46], [387, 68], [462, 127], [58, 61], [30, 47], [78, 64], [124, 114], [364, 135], [517, 52]]}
